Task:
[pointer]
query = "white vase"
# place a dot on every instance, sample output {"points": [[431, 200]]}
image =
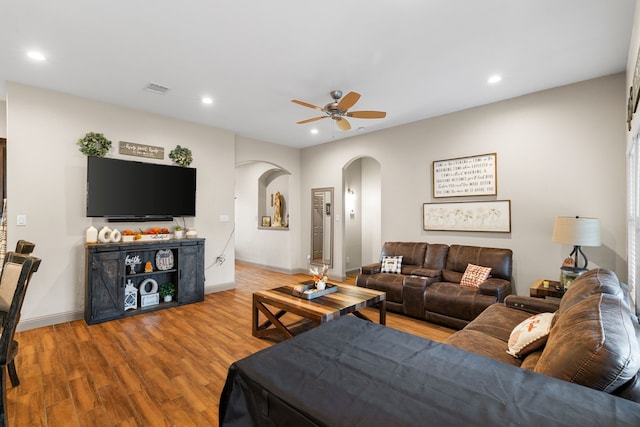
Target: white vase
{"points": [[104, 235], [168, 298], [115, 236], [92, 235], [178, 234]]}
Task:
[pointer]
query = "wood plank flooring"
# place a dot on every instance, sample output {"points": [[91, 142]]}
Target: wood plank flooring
{"points": [[165, 368]]}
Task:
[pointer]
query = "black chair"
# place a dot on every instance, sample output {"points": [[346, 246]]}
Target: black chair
{"points": [[16, 272], [24, 247]]}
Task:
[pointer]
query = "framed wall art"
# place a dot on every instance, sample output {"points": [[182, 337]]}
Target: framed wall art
{"points": [[493, 216], [465, 176]]}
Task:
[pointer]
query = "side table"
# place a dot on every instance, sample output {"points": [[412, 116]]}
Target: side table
{"points": [[538, 289]]}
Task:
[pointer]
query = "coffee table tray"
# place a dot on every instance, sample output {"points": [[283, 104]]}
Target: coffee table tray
{"points": [[308, 291]]}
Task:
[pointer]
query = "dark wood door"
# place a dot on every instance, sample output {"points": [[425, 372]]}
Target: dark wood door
{"points": [[107, 287], [191, 273]]}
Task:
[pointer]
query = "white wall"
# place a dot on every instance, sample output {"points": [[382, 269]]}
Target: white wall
{"points": [[46, 177], [560, 152], [352, 221], [3, 119], [371, 211], [277, 249]]}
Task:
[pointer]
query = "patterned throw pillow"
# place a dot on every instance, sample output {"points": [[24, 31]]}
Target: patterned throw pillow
{"points": [[474, 275], [392, 264], [530, 334]]}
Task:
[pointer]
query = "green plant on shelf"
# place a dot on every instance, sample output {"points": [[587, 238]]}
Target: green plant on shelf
{"points": [[167, 289]]}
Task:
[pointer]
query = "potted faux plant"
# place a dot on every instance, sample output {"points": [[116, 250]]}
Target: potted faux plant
{"points": [[178, 232], [181, 155], [94, 144], [167, 291]]}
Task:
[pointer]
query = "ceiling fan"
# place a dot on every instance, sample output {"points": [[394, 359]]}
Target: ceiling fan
{"points": [[337, 110]]}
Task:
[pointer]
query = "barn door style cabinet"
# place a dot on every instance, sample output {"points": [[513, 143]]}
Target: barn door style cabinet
{"points": [[122, 279]]}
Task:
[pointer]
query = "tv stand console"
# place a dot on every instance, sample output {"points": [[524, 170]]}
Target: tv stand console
{"points": [[110, 266]]}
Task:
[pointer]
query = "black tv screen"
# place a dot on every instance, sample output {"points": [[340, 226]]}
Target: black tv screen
{"points": [[128, 190]]}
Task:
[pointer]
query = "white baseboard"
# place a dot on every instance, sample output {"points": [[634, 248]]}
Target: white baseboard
{"points": [[272, 268], [54, 319]]}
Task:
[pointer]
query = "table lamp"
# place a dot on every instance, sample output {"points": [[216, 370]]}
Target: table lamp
{"points": [[578, 232]]}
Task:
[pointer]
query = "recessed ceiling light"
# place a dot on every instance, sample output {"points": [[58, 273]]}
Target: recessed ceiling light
{"points": [[207, 100], [314, 131], [36, 56], [494, 79]]}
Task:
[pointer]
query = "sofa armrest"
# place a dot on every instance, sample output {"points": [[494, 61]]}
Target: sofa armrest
{"points": [[374, 268], [499, 288], [531, 304]]}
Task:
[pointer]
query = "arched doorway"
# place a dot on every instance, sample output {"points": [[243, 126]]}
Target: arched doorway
{"points": [[362, 225]]}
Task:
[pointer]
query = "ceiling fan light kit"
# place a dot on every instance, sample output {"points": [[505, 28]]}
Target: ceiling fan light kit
{"points": [[338, 110]]}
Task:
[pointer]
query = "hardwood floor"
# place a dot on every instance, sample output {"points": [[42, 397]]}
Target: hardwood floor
{"points": [[165, 368]]}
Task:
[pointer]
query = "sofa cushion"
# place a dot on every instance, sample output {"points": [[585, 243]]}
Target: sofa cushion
{"points": [[497, 321], [530, 361], [482, 344], [436, 256], [412, 253], [530, 334], [474, 275], [451, 276], [392, 264], [391, 284], [596, 281], [453, 300], [500, 260], [593, 343]]}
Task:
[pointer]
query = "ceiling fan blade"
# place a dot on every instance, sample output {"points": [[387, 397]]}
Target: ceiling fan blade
{"points": [[304, 104], [367, 114], [312, 120], [348, 101], [343, 124]]}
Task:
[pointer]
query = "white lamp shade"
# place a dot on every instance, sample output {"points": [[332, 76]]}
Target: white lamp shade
{"points": [[576, 231]]}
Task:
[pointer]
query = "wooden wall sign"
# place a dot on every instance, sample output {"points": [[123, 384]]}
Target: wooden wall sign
{"points": [[141, 150], [465, 176]]}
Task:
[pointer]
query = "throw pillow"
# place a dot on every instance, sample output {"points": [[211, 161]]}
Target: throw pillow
{"points": [[392, 264], [530, 334], [474, 275]]}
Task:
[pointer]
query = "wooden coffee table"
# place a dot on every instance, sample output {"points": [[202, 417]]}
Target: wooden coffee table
{"points": [[348, 299]]}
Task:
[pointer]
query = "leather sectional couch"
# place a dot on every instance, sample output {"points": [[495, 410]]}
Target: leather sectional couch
{"points": [[428, 284], [593, 340], [352, 372]]}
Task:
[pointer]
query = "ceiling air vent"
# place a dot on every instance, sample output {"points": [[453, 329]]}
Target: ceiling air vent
{"points": [[155, 88]]}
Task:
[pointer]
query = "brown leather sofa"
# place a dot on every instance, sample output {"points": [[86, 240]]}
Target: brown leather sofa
{"points": [[428, 286], [593, 341]]}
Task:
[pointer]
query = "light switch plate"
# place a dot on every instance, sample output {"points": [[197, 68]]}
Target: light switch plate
{"points": [[21, 220]]}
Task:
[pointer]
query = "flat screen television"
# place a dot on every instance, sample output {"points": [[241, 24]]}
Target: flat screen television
{"points": [[123, 190]]}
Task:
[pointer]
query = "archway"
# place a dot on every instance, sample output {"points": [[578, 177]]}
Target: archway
{"points": [[258, 242], [362, 225]]}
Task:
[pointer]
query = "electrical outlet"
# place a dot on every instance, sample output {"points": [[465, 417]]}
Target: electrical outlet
{"points": [[348, 260]]}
